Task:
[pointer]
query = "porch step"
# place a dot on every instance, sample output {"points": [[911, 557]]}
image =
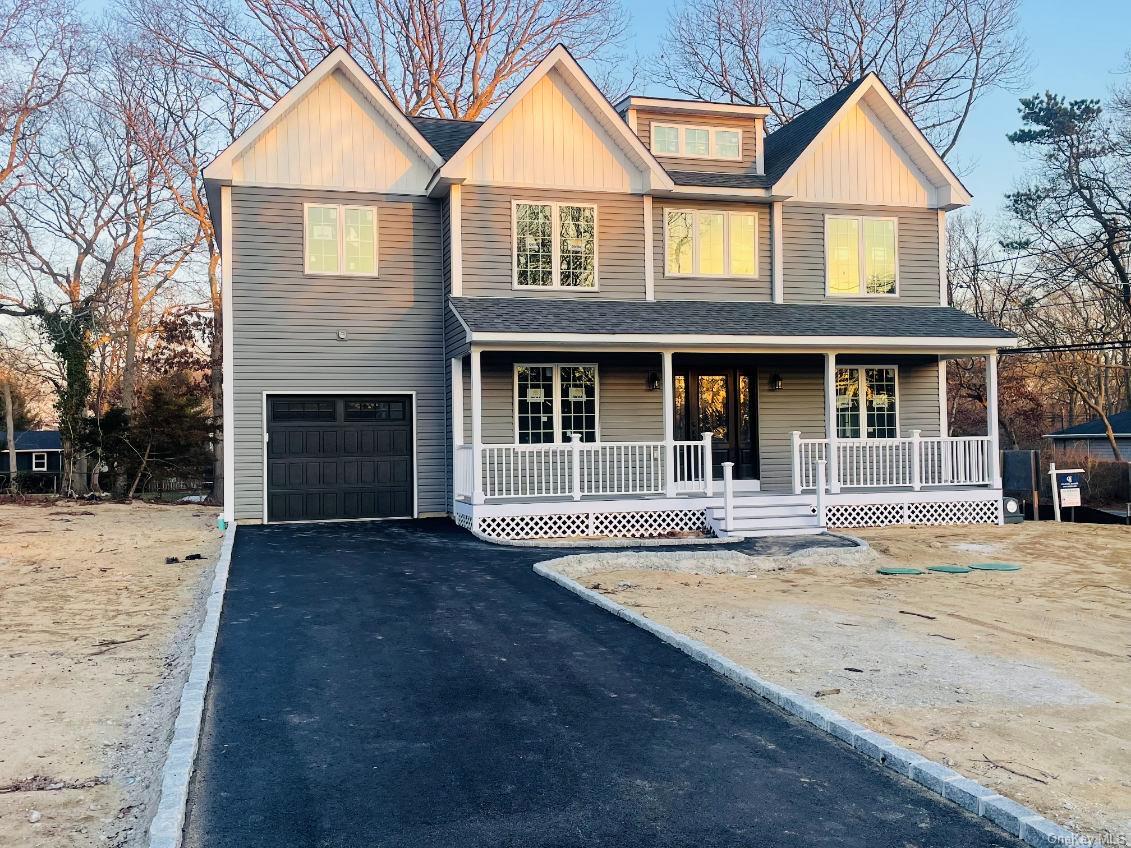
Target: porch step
{"points": [[763, 512], [748, 534], [763, 516]]}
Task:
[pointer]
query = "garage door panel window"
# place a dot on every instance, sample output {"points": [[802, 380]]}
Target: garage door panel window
{"points": [[554, 401]]}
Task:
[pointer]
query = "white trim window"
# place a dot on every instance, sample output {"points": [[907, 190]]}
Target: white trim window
{"points": [[867, 403], [710, 243], [551, 402], [861, 255], [555, 245], [697, 142], [340, 240], [39, 462]]}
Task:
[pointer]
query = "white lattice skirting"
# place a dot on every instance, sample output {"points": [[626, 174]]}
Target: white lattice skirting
{"points": [[910, 512], [636, 524]]}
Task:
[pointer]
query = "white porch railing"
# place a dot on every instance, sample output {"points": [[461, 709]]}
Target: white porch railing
{"points": [[578, 470], [912, 462]]}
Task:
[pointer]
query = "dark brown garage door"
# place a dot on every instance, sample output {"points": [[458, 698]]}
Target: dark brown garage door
{"points": [[339, 457]]}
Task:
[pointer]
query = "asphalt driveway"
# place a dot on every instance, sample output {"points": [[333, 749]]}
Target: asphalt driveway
{"points": [[402, 684]]}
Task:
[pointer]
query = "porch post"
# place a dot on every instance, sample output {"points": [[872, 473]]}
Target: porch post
{"points": [[669, 422], [830, 423], [457, 401], [992, 426], [476, 428]]}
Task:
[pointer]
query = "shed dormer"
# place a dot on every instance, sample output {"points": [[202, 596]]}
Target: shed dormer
{"points": [[691, 135]]}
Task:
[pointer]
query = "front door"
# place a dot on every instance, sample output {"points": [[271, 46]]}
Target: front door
{"points": [[720, 401]]}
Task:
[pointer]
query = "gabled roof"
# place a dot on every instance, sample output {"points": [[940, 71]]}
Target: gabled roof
{"points": [[34, 440], [220, 169], [784, 148], [1120, 425], [785, 145], [562, 60]]}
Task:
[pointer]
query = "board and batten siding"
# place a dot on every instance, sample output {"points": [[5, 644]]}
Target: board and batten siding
{"points": [[712, 288], [750, 127], [285, 326], [488, 242], [334, 137], [551, 138], [803, 249]]}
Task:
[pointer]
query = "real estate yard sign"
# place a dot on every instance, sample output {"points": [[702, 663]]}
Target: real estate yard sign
{"points": [[1065, 487]]}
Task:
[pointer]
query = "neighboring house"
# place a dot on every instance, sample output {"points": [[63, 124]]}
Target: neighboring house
{"points": [[568, 319], [1091, 437], [37, 452]]}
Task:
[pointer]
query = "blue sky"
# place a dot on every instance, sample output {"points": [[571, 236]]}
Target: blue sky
{"points": [[1076, 49]]}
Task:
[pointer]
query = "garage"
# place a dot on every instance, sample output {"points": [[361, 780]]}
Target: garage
{"points": [[339, 457]]}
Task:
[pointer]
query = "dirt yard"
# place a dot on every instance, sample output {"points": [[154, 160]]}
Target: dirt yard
{"points": [[1020, 680], [94, 632]]}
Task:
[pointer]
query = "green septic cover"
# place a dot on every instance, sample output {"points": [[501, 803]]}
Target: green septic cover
{"points": [[995, 566], [899, 571], [949, 569]]}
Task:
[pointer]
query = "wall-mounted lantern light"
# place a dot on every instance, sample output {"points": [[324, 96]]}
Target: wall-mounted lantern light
{"points": [[653, 382], [775, 383]]}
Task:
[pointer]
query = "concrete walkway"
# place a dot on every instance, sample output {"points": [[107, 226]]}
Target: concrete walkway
{"points": [[402, 684]]}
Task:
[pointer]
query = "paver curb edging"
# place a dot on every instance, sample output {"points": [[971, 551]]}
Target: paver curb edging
{"points": [[1017, 820], [166, 829]]}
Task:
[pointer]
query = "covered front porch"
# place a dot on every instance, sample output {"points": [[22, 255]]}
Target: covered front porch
{"points": [[591, 442]]}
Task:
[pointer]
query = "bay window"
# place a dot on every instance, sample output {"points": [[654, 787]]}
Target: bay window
{"points": [[555, 245], [554, 401], [861, 255], [340, 240], [710, 243], [866, 403]]}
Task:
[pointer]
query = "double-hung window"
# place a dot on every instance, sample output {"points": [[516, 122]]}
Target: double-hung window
{"points": [[866, 403], [39, 462], [554, 401], [710, 243], [861, 255], [555, 245], [340, 240], [697, 142]]}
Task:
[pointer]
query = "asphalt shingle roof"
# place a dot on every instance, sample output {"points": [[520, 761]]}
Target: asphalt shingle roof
{"points": [[444, 134], [738, 318], [718, 180], [1120, 424], [784, 145], [38, 440]]}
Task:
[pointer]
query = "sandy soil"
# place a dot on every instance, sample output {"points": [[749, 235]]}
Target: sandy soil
{"points": [[94, 632], [1021, 680]]}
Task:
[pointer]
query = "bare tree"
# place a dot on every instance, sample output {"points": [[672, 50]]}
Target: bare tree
{"points": [[938, 57], [452, 58]]}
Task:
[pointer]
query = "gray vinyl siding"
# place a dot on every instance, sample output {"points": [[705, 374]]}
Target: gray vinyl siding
{"points": [[488, 242], [285, 326], [800, 405], [749, 127], [1097, 448], [627, 410], [803, 253], [712, 288]]}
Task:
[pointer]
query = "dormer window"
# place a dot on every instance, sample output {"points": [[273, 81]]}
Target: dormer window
{"points": [[697, 142]]}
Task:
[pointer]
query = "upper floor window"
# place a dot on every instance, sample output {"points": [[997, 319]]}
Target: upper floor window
{"points": [[554, 401], [39, 462], [866, 403], [860, 254], [340, 239], [555, 245], [697, 142], [710, 243]]}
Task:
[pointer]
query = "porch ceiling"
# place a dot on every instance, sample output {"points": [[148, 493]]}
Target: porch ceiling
{"points": [[725, 324]]}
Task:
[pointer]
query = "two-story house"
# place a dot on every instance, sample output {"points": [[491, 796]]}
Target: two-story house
{"points": [[583, 319]]}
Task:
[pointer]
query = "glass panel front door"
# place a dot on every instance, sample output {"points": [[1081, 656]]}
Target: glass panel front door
{"points": [[719, 401]]}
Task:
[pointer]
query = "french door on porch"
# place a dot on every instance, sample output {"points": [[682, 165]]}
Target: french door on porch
{"points": [[723, 402]]}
